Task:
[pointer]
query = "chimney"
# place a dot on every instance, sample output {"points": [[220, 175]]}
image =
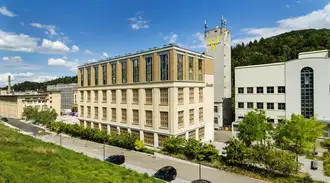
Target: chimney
{"points": [[9, 87]]}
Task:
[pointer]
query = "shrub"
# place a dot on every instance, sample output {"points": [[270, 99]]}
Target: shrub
{"points": [[208, 153], [126, 141], [174, 145], [236, 152], [281, 161], [192, 148], [139, 145], [325, 144]]}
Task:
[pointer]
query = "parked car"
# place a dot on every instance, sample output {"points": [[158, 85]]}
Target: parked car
{"points": [[201, 181], [4, 119], [116, 159], [167, 173]]}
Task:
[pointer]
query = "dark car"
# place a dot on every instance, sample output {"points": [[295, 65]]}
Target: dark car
{"points": [[167, 173], [4, 119], [201, 181], [116, 159]]}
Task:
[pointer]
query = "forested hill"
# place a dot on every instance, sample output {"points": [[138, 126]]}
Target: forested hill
{"points": [[27, 85], [280, 48]]}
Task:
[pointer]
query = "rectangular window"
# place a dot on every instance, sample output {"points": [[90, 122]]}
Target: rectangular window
{"points": [[136, 134], [241, 105], [81, 77], [250, 105], [191, 116], [123, 96], [114, 114], [88, 124], [113, 73], [200, 70], [201, 114], [148, 96], [260, 105], [241, 90], [96, 75], [281, 106], [180, 66], [135, 70], [123, 131], [201, 94], [104, 113], [149, 138], [81, 96], [123, 115], [270, 89], [104, 96], [270, 120], [161, 139], [104, 127], [88, 76], [280, 120], [249, 89], [281, 89], [135, 117], [270, 105], [149, 118], [149, 69], [191, 95], [180, 119], [164, 96], [96, 96], [135, 96], [216, 109], [192, 134], [82, 111], [164, 67], [88, 96], [96, 112], [164, 120], [104, 74], [88, 111], [114, 129], [180, 96], [260, 90], [201, 133], [123, 72], [113, 96], [191, 68]]}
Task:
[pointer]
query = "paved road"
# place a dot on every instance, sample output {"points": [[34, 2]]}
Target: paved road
{"points": [[145, 163], [26, 127]]}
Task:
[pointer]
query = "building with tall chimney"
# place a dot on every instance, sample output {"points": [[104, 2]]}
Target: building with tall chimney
{"points": [[218, 45], [9, 85]]}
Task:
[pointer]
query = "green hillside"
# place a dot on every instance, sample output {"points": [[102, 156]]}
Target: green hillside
{"points": [[279, 48]]}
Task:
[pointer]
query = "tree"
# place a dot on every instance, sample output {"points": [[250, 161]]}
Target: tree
{"points": [[254, 127], [30, 113], [298, 134]]}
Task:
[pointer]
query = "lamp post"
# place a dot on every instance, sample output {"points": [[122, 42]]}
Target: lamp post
{"points": [[104, 150], [199, 160]]}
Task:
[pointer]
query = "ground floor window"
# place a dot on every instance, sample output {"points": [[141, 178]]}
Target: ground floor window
{"points": [[104, 127], [149, 138], [113, 129], [136, 134], [161, 139], [82, 123], [192, 134], [88, 124], [201, 133], [123, 131], [96, 125]]}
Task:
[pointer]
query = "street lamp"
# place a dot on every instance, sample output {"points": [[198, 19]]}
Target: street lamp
{"points": [[199, 161]]}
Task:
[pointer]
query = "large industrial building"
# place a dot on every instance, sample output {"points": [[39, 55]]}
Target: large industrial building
{"points": [[300, 86], [153, 94], [67, 95], [218, 45]]}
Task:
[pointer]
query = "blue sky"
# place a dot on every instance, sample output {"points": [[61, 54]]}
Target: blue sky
{"points": [[42, 40]]}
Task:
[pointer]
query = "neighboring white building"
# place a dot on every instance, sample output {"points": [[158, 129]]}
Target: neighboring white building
{"points": [[300, 86], [218, 45]]}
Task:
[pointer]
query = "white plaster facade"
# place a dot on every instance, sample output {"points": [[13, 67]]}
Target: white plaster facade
{"points": [[288, 75]]}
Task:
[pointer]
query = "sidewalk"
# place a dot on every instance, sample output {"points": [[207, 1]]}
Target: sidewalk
{"points": [[147, 163]]}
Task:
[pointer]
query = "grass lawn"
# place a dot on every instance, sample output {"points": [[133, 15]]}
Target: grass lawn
{"points": [[25, 159]]}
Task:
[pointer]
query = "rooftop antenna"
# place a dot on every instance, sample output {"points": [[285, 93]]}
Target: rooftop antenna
{"points": [[205, 27]]}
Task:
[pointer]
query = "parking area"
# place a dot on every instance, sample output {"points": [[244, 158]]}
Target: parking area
{"points": [[222, 136]]}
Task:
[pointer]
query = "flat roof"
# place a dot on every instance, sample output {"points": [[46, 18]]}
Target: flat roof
{"points": [[260, 65], [145, 52]]}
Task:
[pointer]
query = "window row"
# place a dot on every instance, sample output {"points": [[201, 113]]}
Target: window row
{"points": [[191, 117], [148, 136], [270, 120], [164, 70], [260, 105], [269, 89], [191, 95]]}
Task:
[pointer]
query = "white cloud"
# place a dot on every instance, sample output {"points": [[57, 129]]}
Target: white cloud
{"points": [[49, 28], [138, 21], [172, 38], [14, 59], [88, 52], [4, 11], [287, 6], [198, 41], [22, 23], [105, 54], [75, 48], [24, 43], [298, 1], [21, 77], [63, 63], [64, 57], [315, 20]]}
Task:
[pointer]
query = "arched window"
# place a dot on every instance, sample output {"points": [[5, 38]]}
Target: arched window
{"points": [[307, 92]]}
